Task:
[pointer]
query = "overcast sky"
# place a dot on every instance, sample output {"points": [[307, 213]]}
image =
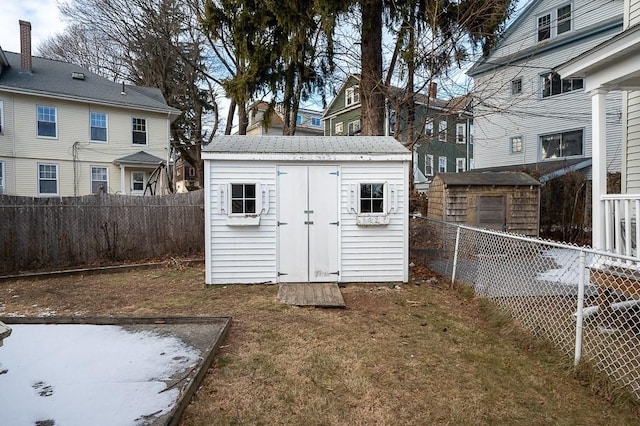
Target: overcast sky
{"points": [[44, 18]]}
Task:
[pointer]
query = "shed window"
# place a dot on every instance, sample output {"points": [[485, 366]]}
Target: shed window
{"points": [[243, 198], [372, 198]]}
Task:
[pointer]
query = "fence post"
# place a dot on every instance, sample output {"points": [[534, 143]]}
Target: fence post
{"points": [[579, 310], [455, 256]]}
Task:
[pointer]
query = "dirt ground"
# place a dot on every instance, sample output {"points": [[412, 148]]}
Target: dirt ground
{"points": [[420, 353]]}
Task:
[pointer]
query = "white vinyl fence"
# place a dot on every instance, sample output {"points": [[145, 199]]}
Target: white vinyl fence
{"points": [[585, 302]]}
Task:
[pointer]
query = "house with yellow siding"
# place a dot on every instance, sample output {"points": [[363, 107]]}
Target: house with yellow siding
{"points": [[65, 131]]}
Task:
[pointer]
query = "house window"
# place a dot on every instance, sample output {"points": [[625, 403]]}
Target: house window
{"points": [[137, 182], [47, 123], [2, 177], [315, 121], [299, 119], [461, 133], [461, 165], [442, 164], [516, 144], [47, 179], [392, 121], [100, 179], [552, 84], [372, 198], [428, 165], [243, 198], [555, 22], [353, 127], [338, 128], [1, 117], [139, 130], [442, 130], [428, 127], [558, 145], [544, 27], [516, 86], [98, 123], [352, 95]]}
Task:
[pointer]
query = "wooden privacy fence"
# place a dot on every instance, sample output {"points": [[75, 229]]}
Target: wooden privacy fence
{"points": [[55, 233]]}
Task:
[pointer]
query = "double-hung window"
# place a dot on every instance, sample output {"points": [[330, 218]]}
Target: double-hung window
{"points": [[555, 22], [559, 145], [352, 95], [442, 130], [243, 198], [353, 127], [442, 164], [372, 198], [139, 131], [461, 165], [47, 121], [47, 179], [137, 182], [428, 127], [99, 179], [98, 124], [516, 86], [461, 133], [428, 165]]}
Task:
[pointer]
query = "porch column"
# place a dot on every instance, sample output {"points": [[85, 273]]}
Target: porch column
{"points": [[599, 165], [122, 180]]}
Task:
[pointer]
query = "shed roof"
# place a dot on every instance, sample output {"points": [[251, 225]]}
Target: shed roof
{"points": [[488, 179], [306, 147]]}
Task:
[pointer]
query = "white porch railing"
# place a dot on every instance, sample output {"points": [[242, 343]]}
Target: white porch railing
{"points": [[622, 223]]}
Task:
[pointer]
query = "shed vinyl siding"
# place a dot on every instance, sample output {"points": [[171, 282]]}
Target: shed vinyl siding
{"points": [[242, 254], [372, 253], [633, 143]]}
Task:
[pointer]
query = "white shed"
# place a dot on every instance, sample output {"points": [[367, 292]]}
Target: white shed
{"points": [[306, 209]]}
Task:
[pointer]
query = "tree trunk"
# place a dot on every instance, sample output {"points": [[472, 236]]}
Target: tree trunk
{"points": [[230, 114], [371, 88]]}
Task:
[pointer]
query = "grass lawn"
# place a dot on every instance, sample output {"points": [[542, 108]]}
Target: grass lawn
{"points": [[414, 354]]}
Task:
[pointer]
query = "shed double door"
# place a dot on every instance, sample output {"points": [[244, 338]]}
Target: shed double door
{"points": [[307, 210]]}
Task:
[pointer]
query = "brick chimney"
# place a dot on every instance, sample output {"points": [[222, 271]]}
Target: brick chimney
{"points": [[433, 90], [25, 46]]}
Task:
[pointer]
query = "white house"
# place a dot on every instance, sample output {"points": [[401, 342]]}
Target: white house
{"points": [[614, 67], [524, 112], [306, 209], [66, 131]]}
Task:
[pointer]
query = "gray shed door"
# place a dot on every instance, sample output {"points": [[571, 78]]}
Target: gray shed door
{"points": [[491, 212], [307, 200]]}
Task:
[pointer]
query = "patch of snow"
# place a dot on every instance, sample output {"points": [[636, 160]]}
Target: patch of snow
{"points": [[88, 375], [569, 266]]}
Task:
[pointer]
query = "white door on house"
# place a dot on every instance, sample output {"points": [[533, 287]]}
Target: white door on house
{"points": [[308, 223]]}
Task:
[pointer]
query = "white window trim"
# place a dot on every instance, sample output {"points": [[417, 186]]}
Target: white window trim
{"points": [[55, 109], [513, 81], [428, 160], [553, 16], [339, 128], [440, 163], [243, 219], [428, 127], [106, 118], [48, 194], [2, 176], [352, 95], [351, 127], [461, 163], [373, 218], [146, 131], [91, 177], [561, 133], [461, 129], [442, 130], [144, 182]]}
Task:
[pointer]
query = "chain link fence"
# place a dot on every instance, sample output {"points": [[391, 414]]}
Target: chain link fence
{"points": [[586, 302]]}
